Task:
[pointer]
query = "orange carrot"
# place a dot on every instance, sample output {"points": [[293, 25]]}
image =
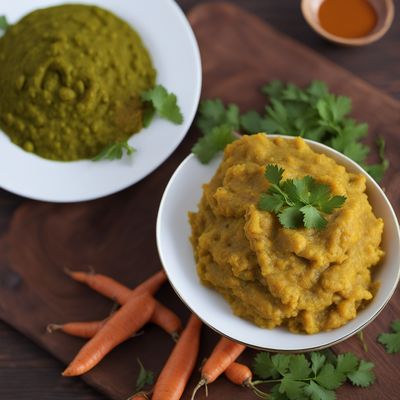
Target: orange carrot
{"points": [[114, 290], [121, 326], [84, 330], [139, 396], [223, 355], [162, 316], [167, 320], [176, 372], [240, 374]]}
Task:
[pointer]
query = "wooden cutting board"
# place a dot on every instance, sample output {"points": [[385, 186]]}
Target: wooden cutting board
{"points": [[116, 234]]}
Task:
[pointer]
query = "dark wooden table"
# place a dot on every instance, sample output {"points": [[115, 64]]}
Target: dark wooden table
{"points": [[26, 371]]}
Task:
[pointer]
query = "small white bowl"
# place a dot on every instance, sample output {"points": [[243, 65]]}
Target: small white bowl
{"points": [[183, 194]]}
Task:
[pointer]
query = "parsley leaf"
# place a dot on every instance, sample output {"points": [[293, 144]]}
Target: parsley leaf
{"points": [[4, 25], [317, 392], [313, 113], [212, 143], [165, 104], [315, 376], [298, 202], [363, 375], [145, 377], [114, 151], [391, 341]]}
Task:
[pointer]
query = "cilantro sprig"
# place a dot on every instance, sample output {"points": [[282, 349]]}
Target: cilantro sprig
{"points": [[313, 113], [4, 25], [391, 341], [298, 202], [315, 377], [159, 100], [114, 151], [145, 377]]}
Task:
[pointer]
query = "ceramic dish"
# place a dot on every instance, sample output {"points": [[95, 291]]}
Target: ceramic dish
{"points": [[169, 39], [183, 193], [384, 11]]}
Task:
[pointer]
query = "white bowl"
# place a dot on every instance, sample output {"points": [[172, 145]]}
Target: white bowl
{"points": [[183, 194], [173, 48]]}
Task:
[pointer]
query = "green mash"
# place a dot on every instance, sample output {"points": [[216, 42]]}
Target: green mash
{"points": [[70, 81]]}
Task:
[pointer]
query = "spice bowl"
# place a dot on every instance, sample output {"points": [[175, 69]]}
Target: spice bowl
{"points": [[183, 194], [384, 14]]}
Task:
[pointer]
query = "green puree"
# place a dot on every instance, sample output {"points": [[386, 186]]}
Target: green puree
{"points": [[70, 81]]}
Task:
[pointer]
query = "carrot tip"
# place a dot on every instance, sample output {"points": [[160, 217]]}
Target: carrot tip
{"points": [[50, 328]]}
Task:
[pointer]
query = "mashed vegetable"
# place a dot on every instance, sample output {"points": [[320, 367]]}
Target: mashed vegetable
{"points": [[309, 280], [70, 79]]}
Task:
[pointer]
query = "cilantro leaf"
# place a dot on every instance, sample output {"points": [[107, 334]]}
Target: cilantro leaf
{"points": [[274, 173], [291, 217], [292, 388], [212, 113], [114, 151], [298, 202], [317, 392], [271, 202], [378, 170], [315, 377], [299, 367], [346, 362], [145, 377], [312, 218], [212, 143], [164, 103], [263, 366], [4, 25], [391, 341], [363, 376], [329, 377], [312, 112], [317, 361]]}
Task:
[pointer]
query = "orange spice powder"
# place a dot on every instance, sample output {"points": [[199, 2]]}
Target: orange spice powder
{"points": [[347, 18]]}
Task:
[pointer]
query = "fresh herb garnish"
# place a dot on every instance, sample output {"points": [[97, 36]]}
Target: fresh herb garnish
{"points": [[313, 113], [298, 202], [316, 377], [207, 146], [145, 377], [114, 151], [391, 341], [4, 25], [218, 125], [158, 100]]}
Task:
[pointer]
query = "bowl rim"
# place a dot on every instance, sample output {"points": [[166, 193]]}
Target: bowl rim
{"points": [[361, 41], [316, 146]]}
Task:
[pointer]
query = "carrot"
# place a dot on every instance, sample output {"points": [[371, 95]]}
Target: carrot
{"points": [[223, 355], [176, 372], [121, 325], [114, 290], [139, 396], [240, 374], [162, 316], [167, 320], [84, 330]]}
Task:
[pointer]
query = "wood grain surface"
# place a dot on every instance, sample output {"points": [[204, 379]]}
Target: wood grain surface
{"points": [[117, 234]]}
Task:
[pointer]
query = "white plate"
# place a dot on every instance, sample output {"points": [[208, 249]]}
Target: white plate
{"points": [[171, 43], [182, 195]]}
